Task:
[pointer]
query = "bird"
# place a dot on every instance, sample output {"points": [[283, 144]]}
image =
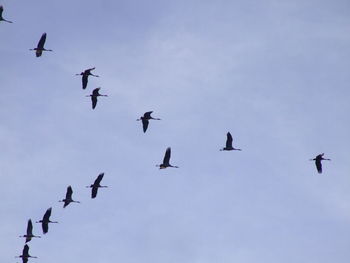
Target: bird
{"points": [[318, 163], [96, 185], [1, 18], [68, 198], [166, 160], [40, 47], [145, 120], [46, 220], [94, 95], [29, 234], [86, 73], [25, 254], [229, 144]]}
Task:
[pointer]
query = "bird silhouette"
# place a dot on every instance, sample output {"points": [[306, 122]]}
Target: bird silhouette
{"points": [[68, 198], [46, 220], [94, 95], [85, 75], [166, 160], [94, 187], [25, 254], [1, 18], [29, 234], [318, 163], [145, 120], [40, 47], [229, 144]]}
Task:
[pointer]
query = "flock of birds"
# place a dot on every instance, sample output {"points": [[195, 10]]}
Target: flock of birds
{"points": [[94, 187], [45, 221]]}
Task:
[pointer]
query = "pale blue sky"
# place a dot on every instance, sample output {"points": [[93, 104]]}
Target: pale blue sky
{"points": [[273, 73]]}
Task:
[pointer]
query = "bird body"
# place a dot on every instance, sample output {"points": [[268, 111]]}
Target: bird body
{"points": [[40, 47], [25, 254], [318, 163], [229, 146], [94, 187], [1, 18], [68, 198], [166, 160], [46, 220], [29, 235], [145, 120], [85, 74], [94, 95]]}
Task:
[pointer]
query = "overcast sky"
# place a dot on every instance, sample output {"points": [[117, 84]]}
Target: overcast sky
{"points": [[274, 73]]}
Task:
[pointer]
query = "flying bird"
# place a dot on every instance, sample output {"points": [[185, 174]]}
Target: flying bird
{"points": [[1, 18], [85, 75], [25, 254], [46, 220], [94, 95], [166, 160], [68, 198], [40, 47], [229, 144], [29, 234], [145, 120], [318, 163], [96, 185]]}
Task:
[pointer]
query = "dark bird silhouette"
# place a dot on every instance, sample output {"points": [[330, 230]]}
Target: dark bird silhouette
{"points": [[318, 163], [29, 234], [166, 160], [229, 144], [145, 120], [1, 18], [94, 95], [68, 198], [46, 220], [96, 185], [40, 47], [85, 75], [25, 254]]}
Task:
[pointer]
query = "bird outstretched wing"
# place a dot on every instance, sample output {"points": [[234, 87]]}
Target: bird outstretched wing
{"points": [[145, 124], [42, 41], [95, 92], [147, 114], [94, 192], [1, 10], [69, 192], [25, 252], [229, 140], [45, 227], [99, 179], [318, 165], [88, 71], [84, 80], [167, 156], [29, 227], [94, 101], [47, 214]]}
